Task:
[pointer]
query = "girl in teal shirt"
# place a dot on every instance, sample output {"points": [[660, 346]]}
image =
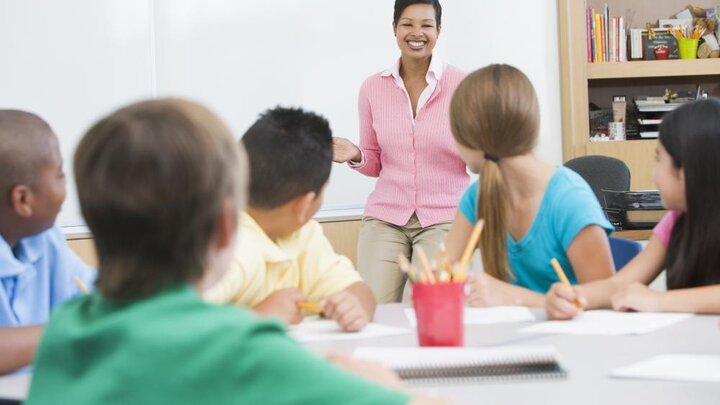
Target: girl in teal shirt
{"points": [[533, 211]]}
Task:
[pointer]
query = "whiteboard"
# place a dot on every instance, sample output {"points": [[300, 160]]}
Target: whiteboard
{"points": [[75, 60]]}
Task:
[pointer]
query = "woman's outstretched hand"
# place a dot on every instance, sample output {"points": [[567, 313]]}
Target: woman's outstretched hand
{"points": [[344, 151]]}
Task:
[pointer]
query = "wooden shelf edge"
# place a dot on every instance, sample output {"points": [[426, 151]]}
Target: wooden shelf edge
{"points": [[652, 68]]}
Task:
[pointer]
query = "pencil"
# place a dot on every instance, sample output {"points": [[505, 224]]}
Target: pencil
{"points": [[406, 267], [563, 278], [469, 249], [310, 306], [80, 285], [426, 265]]}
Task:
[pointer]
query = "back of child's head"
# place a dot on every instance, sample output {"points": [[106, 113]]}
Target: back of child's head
{"points": [[691, 136], [495, 110], [152, 180], [290, 153]]}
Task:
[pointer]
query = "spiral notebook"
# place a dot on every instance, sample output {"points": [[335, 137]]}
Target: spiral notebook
{"points": [[450, 365]]}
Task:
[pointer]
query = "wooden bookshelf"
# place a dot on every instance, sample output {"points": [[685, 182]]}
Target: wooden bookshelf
{"points": [[583, 82], [653, 68]]}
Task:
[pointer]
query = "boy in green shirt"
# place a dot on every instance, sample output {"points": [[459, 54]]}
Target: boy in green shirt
{"points": [[160, 184]]}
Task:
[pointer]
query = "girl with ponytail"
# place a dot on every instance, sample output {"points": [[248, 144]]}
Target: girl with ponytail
{"points": [[533, 211]]}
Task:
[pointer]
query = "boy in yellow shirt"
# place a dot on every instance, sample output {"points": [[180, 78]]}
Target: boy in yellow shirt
{"points": [[283, 257]]}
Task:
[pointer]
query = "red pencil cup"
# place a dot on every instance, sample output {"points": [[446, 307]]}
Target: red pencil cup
{"points": [[439, 313]]}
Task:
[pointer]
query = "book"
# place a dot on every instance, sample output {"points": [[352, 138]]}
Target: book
{"points": [[674, 367], [588, 35], [443, 365]]}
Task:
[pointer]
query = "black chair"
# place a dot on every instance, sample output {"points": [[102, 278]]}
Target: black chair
{"points": [[602, 173]]}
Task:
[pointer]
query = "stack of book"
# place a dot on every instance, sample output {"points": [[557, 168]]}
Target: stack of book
{"points": [[606, 36]]}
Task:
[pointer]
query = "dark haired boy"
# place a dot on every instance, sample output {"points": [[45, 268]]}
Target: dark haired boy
{"points": [[283, 257], [37, 268]]}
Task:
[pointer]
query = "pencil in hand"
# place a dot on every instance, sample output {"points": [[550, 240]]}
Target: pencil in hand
{"points": [[310, 307], [80, 285], [563, 278]]}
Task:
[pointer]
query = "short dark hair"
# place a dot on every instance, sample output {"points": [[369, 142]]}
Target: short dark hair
{"points": [[26, 142], [152, 180], [401, 5], [290, 153], [691, 136]]}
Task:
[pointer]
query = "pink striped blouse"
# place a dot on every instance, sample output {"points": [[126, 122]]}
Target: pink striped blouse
{"points": [[416, 161]]}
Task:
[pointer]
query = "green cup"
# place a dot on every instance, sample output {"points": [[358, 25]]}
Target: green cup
{"points": [[688, 48]]}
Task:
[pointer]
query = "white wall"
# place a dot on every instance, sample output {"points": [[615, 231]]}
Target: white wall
{"points": [[75, 60]]}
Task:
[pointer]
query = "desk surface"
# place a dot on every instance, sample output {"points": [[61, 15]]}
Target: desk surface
{"points": [[588, 360]]}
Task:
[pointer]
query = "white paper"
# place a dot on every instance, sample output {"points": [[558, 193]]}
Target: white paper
{"points": [[674, 367], [313, 329], [15, 386], [409, 357], [604, 322], [484, 316]]}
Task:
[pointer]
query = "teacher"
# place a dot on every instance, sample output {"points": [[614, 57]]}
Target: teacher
{"points": [[405, 141]]}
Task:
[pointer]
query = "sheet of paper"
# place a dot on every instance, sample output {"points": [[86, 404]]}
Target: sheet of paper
{"points": [[675, 367], [483, 316], [406, 357], [15, 386], [604, 322], [314, 329]]}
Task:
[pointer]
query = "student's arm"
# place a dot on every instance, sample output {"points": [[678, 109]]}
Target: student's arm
{"points": [[639, 297], [589, 255], [643, 269], [18, 346], [352, 308]]}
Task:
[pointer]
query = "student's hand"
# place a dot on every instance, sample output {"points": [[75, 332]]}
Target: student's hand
{"points": [[487, 291], [344, 150], [282, 304], [636, 297], [560, 302], [370, 370], [345, 308]]}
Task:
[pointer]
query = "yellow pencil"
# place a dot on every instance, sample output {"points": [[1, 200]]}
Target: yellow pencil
{"points": [[459, 273], [406, 267], [80, 285], [309, 306], [563, 278], [426, 265]]}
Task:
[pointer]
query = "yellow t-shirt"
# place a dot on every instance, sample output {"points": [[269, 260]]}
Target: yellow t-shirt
{"points": [[304, 260]]}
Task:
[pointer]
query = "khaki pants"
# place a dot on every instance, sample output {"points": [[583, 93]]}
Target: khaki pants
{"points": [[379, 245]]}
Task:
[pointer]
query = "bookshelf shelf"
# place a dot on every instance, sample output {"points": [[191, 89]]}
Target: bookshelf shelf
{"points": [[652, 68]]}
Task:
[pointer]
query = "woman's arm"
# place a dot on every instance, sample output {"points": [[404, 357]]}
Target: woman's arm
{"points": [[17, 346], [369, 147], [643, 269]]}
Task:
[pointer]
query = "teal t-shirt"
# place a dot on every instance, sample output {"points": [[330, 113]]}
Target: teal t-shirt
{"points": [[173, 348], [567, 207]]}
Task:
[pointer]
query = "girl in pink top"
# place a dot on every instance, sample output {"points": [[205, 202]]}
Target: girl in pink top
{"points": [[685, 242], [405, 141]]}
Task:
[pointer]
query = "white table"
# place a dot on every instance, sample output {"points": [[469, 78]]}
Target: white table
{"points": [[588, 360]]}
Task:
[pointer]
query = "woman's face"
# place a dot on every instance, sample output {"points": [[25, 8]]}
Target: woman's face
{"points": [[669, 180], [416, 31]]}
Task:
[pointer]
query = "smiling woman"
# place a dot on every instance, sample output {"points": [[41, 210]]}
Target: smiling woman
{"points": [[405, 141]]}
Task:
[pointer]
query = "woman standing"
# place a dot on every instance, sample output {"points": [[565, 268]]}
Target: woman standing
{"points": [[406, 142]]}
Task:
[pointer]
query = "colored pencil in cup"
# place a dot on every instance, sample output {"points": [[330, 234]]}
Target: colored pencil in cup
{"points": [[427, 269], [460, 270]]}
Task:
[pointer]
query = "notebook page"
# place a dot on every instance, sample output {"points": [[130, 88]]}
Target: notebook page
{"points": [[605, 322], [674, 367], [483, 316], [314, 329]]}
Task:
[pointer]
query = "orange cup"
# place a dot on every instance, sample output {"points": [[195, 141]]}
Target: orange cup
{"points": [[439, 312]]}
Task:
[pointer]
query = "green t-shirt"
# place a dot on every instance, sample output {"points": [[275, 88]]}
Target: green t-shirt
{"points": [[174, 348]]}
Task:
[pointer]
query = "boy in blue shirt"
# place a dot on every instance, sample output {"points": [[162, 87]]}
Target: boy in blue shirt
{"points": [[37, 268]]}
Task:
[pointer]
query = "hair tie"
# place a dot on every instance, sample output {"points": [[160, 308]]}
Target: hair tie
{"points": [[492, 157]]}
